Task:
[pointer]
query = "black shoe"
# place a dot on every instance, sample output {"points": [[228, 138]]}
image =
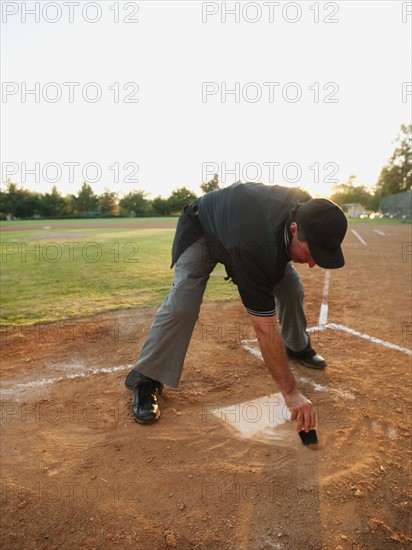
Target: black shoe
{"points": [[145, 393], [308, 357], [133, 378]]}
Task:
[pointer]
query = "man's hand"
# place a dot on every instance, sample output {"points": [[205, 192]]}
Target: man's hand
{"points": [[274, 355], [302, 410]]}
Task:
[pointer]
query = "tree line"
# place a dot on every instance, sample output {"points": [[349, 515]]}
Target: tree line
{"points": [[20, 203], [15, 202], [395, 177]]}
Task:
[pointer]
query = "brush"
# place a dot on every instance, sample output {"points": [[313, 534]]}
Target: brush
{"points": [[308, 438]]}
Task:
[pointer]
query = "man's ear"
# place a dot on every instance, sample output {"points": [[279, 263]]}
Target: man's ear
{"points": [[294, 228]]}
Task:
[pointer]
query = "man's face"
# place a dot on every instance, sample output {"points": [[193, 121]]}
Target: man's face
{"points": [[299, 250]]}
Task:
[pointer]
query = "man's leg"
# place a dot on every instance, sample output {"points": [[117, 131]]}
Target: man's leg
{"points": [[163, 353], [289, 296]]}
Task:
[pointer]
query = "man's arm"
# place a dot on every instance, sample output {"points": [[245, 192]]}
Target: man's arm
{"points": [[274, 355]]}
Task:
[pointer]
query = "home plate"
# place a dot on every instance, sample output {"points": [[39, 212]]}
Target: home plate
{"points": [[264, 418]]}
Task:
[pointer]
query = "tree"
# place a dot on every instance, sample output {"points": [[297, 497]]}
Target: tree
{"points": [[211, 185], [4, 212], [69, 205], [179, 199], [20, 203], [108, 203], [374, 203], [8, 198], [52, 204], [161, 206], [29, 206], [86, 200], [134, 203], [396, 175], [348, 192]]}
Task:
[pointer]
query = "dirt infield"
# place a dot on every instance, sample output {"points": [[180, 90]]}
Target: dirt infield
{"points": [[79, 473]]}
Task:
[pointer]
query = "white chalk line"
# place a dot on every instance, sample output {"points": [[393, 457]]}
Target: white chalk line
{"points": [[320, 387], [324, 325], [323, 315], [379, 232], [358, 236], [373, 339], [253, 351], [317, 387], [72, 376], [334, 326]]}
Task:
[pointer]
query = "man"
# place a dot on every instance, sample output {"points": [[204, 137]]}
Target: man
{"points": [[255, 230]]}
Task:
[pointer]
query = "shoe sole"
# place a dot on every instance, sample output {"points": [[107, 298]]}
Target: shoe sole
{"points": [[308, 365], [311, 366], [148, 421]]}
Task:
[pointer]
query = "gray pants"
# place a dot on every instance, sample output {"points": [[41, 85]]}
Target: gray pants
{"points": [[164, 351]]}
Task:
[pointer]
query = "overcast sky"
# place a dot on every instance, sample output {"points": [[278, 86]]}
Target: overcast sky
{"points": [[159, 95]]}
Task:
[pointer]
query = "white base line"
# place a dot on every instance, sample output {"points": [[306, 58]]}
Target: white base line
{"points": [[367, 337], [323, 315], [359, 237], [379, 232], [323, 324], [333, 326], [317, 387], [72, 376]]}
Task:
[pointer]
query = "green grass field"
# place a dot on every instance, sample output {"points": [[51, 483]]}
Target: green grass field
{"points": [[61, 273], [89, 221]]}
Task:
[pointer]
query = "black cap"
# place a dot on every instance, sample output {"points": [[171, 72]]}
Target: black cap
{"points": [[324, 225]]}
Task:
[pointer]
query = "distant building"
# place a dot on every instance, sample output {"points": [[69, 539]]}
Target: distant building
{"points": [[355, 210], [397, 206]]}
